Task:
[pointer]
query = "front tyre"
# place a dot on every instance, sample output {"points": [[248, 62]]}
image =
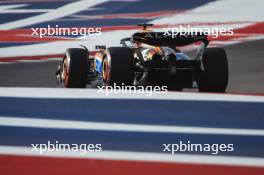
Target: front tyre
{"points": [[75, 68], [214, 73]]}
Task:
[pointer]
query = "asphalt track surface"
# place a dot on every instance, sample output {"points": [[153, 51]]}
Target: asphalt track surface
{"points": [[246, 66]]}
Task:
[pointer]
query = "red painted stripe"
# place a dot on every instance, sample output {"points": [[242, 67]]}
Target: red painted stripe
{"points": [[35, 57], [257, 28], [24, 35], [146, 15], [239, 34], [25, 165]]}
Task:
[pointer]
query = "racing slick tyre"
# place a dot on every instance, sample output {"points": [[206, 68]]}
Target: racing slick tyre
{"points": [[75, 68], [118, 66], [214, 74]]}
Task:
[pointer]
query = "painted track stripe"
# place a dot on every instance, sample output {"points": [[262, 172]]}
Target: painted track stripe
{"points": [[156, 112], [69, 166], [65, 10], [244, 146], [140, 156], [62, 124], [93, 94]]}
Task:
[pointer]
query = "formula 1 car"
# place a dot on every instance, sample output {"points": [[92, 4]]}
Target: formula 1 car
{"points": [[147, 58]]}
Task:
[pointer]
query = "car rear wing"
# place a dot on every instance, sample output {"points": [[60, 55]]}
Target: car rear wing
{"points": [[163, 39]]}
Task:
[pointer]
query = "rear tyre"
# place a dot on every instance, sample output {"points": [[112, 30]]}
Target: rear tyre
{"points": [[214, 74], [75, 68], [118, 66]]}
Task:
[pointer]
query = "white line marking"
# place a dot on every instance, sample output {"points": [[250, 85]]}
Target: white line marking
{"points": [[5, 9], [123, 127], [68, 9], [220, 11], [16, 11], [63, 93], [140, 156], [36, 61]]}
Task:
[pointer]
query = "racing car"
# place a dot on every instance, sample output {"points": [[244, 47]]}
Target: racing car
{"points": [[147, 58]]}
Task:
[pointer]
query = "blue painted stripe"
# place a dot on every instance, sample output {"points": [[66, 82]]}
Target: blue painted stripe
{"points": [[143, 6], [88, 23], [161, 112], [129, 141], [9, 17], [113, 7]]}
